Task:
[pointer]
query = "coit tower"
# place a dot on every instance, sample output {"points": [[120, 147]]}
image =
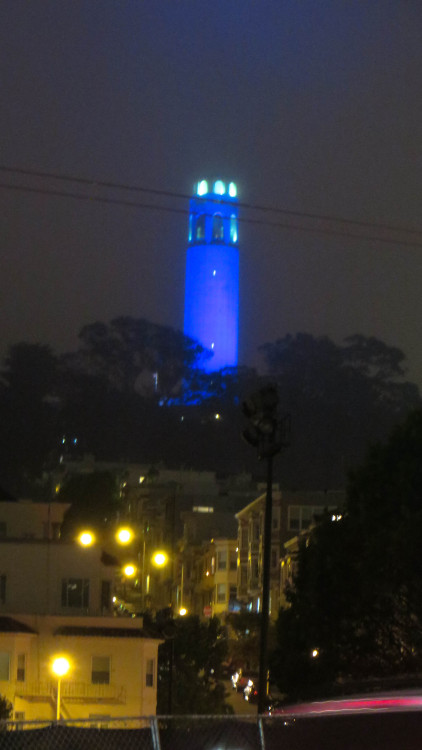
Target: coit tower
{"points": [[212, 272]]}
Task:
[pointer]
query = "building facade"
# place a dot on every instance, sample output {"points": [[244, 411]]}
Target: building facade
{"points": [[56, 599]]}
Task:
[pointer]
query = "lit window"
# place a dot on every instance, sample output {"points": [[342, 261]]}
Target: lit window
{"points": [[212, 345], [200, 227], [190, 228], [221, 589], [75, 592], [222, 559], [214, 273], [232, 190], [202, 187], [100, 674], [233, 229], [219, 187], [150, 673]]}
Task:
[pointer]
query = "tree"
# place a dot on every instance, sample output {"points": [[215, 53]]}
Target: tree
{"points": [[341, 398], [29, 410], [6, 708], [357, 596], [199, 649], [94, 501], [133, 353]]}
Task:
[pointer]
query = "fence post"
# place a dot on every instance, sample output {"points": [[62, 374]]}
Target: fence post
{"points": [[155, 732], [261, 733]]}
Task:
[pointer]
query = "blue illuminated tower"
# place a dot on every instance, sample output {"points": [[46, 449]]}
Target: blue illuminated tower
{"points": [[212, 272]]}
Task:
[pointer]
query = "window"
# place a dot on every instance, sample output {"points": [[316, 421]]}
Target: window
{"points": [[222, 559], [100, 674], [105, 596], [233, 229], [20, 668], [244, 538], [200, 227], [75, 592], [233, 593], [221, 592], [149, 673], [301, 516], [255, 531], [2, 589], [4, 666], [218, 227], [274, 558], [233, 560], [3, 528]]}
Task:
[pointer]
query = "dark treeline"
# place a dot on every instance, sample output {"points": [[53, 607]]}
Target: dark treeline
{"points": [[133, 392]]}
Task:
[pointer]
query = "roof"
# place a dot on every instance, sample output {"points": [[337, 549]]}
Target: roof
{"points": [[75, 630], [10, 625]]}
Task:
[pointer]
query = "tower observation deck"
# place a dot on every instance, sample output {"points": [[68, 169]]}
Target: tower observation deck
{"points": [[212, 272]]}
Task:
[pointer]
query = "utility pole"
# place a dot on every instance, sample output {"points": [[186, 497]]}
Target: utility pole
{"points": [[268, 433]]}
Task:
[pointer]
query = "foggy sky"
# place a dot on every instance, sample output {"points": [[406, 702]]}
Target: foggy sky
{"points": [[308, 106]]}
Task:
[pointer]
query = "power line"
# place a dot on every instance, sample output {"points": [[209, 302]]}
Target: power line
{"points": [[92, 182], [242, 219]]}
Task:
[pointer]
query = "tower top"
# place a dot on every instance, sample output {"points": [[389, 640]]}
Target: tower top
{"points": [[218, 187]]}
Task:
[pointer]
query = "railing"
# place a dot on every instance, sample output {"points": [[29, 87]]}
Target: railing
{"points": [[72, 691]]}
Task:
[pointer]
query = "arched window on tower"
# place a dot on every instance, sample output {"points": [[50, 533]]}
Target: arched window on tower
{"points": [[200, 227], [190, 227], [218, 228], [233, 229]]}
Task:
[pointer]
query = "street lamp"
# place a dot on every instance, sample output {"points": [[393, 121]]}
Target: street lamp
{"points": [[86, 538], [124, 535], [160, 559], [268, 433], [60, 666]]}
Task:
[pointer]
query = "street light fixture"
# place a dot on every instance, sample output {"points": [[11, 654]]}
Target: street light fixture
{"points": [[160, 559], [86, 538], [269, 434], [124, 535], [60, 666]]}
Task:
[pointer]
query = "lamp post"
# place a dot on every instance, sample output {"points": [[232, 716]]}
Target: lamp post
{"points": [[60, 667], [268, 434]]}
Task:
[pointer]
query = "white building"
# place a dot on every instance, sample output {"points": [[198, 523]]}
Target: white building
{"points": [[56, 599]]}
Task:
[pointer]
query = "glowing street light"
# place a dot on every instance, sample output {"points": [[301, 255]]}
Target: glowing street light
{"points": [[159, 559], [60, 666], [183, 611], [86, 538], [129, 570], [124, 535]]}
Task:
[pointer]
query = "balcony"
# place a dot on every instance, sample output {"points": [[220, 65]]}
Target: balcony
{"points": [[75, 692]]}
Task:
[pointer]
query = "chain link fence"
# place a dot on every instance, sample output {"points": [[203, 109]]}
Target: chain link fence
{"points": [[138, 733], [375, 731]]}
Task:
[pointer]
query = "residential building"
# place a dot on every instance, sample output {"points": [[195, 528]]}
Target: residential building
{"points": [[250, 553], [56, 599]]}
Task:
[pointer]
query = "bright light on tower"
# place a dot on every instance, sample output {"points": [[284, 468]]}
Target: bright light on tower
{"points": [[202, 187]]}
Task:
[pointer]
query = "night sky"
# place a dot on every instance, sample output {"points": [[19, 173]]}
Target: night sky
{"points": [[308, 106]]}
